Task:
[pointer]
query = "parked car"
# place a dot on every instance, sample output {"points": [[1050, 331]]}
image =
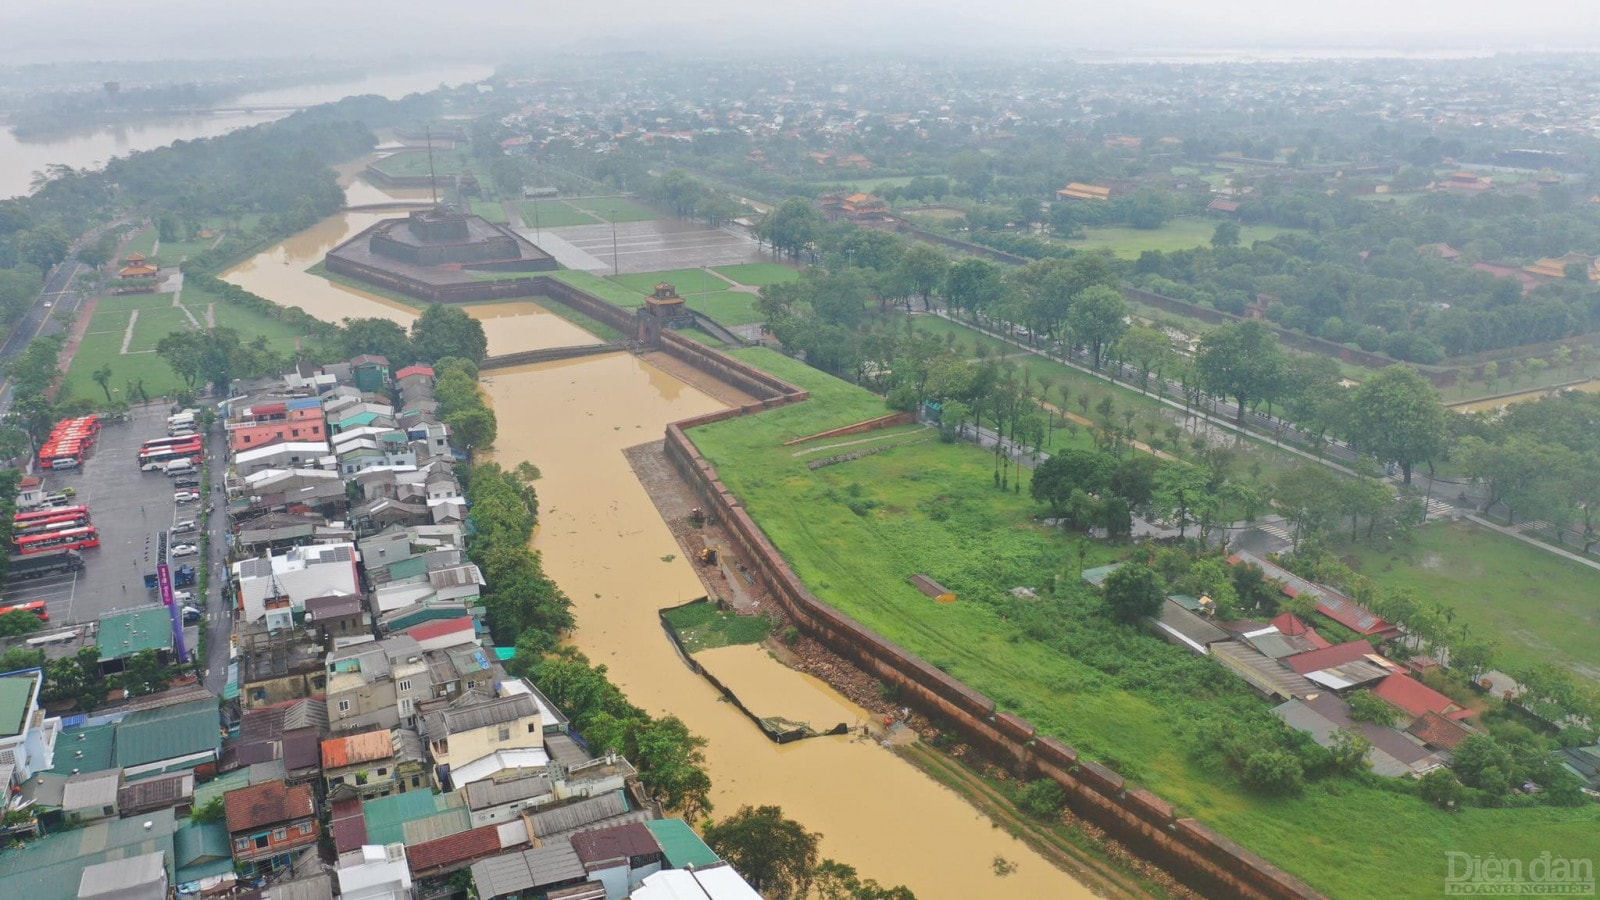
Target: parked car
{"points": [[181, 527], [187, 483], [153, 467], [185, 550], [186, 496], [191, 615]]}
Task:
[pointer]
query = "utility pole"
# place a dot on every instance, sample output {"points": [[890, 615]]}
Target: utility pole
{"points": [[433, 180], [616, 263]]}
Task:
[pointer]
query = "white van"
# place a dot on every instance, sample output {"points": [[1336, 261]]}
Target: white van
{"points": [[179, 467], [64, 462]]}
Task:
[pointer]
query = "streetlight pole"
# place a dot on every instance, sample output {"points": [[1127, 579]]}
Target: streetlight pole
{"points": [[536, 220], [616, 264]]}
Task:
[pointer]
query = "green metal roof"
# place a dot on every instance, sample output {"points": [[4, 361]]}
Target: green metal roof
{"points": [[216, 787], [152, 735], [387, 816], [95, 743], [50, 867], [682, 847], [426, 614], [200, 851], [16, 693], [408, 568], [128, 632]]}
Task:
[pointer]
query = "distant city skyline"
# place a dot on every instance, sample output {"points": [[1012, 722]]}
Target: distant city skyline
{"points": [[33, 31]]}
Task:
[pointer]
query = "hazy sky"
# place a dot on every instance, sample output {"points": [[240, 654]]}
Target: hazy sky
{"points": [[44, 30]]}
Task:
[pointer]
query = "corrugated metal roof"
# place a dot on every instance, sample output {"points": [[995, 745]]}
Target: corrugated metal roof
{"points": [[1263, 674], [113, 877], [91, 790], [123, 634], [52, 865], [615, 842], [485, 794], [682, 847], [527, 870], [85, 749], [199, 843], [170, 732], [355, 749], [577, 815], [387, 816]]}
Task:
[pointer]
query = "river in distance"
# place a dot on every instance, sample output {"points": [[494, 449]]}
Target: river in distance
{"points": [[91, 147]]}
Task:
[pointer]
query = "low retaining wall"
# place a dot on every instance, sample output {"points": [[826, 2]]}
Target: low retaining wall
{"points": [[1193, 853], [890, 421], [506, 361]]}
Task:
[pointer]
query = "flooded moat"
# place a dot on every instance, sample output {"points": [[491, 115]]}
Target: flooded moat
{"points": [[605, 543]]}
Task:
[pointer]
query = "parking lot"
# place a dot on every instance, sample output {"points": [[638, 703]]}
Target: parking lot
{"points": [[128, 508]]}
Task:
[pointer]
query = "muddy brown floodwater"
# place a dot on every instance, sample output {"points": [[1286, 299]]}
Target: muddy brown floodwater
{"points": [[606, 545]]}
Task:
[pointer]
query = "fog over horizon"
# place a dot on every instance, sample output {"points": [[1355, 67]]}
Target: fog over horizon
{"points": [[39, 31]]}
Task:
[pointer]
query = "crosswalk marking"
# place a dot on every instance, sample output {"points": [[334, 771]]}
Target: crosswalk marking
{"points": [[1276, 531]]}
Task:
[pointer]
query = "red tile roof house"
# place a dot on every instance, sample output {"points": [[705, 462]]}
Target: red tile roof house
{"points": [[1416, 699], [270, 820], [1330, 602], [457, 851]]}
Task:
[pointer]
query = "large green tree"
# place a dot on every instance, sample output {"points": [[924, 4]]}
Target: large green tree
{"points": [[1133, 591], [1097, 318], [1241, 360], [444, 331], [775, 854], [1397, 415]]}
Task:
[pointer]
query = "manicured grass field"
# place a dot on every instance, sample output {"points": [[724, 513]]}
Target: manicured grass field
{"points": [[855, 531], [1536, 606], [155, 324], [246, 321], [102, 344], [604, 288], [687, 281], [1178, 234], [490, 210], [174, 252], [727, 307], [143, 242], [759, 274], [553, 214], [625, 210]]}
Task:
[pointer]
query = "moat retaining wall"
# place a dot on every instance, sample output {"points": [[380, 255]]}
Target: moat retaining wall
{"points": [[1198, 856]]}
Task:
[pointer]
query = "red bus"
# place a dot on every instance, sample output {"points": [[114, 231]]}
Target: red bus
{"points": [[37, 607], [166, 454], [178, 441], [39, 515], [45, 526], [66, 539]]}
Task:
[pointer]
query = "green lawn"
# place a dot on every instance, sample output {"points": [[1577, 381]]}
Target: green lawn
{"points": [[174, 252], [155, 324], [102, 344], [553, 214], [143, 242], [727, 307], [1179, 234], [1536, 606], [490, 210], [603, 288], [616, 209], [855, 531], [249, 323], [687, 281], [759, 274]]}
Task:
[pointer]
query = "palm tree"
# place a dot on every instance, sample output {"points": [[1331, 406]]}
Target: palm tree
{"points": [[102, 377]]}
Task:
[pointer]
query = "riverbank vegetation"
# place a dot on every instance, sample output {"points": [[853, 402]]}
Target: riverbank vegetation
{"points": [[703, 626], [856, 530]]}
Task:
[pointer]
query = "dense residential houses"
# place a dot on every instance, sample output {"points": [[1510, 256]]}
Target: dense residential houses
{"points": [[365, 715]]}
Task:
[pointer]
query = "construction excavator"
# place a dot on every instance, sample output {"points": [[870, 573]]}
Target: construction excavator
{"points": [[708, 556]]}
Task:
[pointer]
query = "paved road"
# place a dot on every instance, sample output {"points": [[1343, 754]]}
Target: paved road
{"points": [[219, 613]]}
